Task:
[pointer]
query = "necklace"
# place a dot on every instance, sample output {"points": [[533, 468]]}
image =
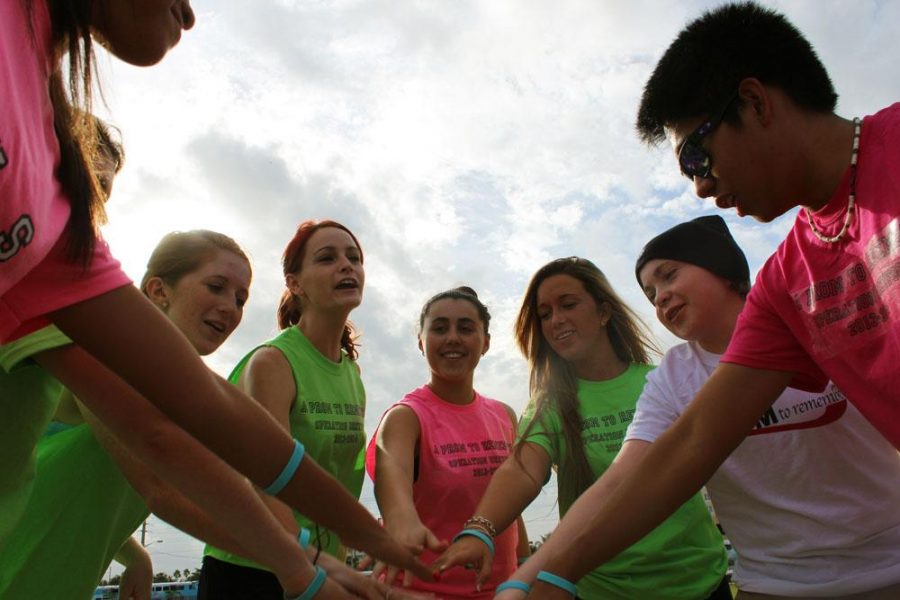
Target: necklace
{"points": [[851, 201]]}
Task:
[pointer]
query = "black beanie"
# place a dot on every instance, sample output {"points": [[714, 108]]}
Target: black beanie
{"points": [[705, 242]]}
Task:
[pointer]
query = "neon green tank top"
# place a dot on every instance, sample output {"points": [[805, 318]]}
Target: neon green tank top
{"points": [[684, 557], [327, 416]]}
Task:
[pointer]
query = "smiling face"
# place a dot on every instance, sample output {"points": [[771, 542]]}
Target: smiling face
{"points": [[571, 321], [140, 32], [453, 339], [207, 303], [331, 273], [691, 302]]}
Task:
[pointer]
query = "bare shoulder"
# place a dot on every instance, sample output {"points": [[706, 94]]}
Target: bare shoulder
{"points": [[269, 379], [399, 420], [267, 360], [511, 413]]}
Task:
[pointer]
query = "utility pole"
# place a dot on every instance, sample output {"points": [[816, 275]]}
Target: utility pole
{"points": [[144, 533]]}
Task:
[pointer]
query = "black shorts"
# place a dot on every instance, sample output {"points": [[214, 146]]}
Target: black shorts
{"points": [[723, 592], [220, 580]]}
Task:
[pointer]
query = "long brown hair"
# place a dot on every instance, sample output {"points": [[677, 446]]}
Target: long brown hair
{"points": [[289, 308], [71, 98], [553, 383]]}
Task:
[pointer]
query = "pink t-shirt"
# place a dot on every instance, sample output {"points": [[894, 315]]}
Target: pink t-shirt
{"points": [[33, 208], [460, 447], [832, 311]]}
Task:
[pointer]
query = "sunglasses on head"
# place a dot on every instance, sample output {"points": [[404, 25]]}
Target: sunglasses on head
{"points": [[693, 158]]}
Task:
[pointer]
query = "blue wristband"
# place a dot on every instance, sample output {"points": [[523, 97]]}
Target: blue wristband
{"points": [[313, 588], [288, 472], [513, 584], [478, 534], [303, 537], [560, 582]]}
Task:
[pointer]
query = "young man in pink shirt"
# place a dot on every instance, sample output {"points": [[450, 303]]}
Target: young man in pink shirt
{"points": [[748, 108]]}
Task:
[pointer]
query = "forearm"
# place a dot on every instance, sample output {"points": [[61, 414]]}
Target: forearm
{"points": [[131, 552], [394, 492], [178, 510], [523, 549], [341, 513], [157, 361], [512, 488], [175, 456], [165, 500], [577, 519], [676, 466]]}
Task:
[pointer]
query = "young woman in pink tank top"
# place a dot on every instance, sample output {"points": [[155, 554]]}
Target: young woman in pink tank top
{"points": [[435, 450]]}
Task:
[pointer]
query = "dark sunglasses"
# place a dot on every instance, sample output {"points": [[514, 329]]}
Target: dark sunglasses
{"points": [[693, 158]]}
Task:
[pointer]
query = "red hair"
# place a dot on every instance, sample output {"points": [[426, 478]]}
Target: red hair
{"points": [[289, 308]]}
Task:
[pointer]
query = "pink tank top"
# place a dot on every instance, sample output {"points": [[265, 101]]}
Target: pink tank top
{"points": [[460, 447]]}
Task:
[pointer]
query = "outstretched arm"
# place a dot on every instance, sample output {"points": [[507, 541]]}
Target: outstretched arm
{"points": [[675, 466], [215, 524], [396, 444], [124, 332], [185, 463]]}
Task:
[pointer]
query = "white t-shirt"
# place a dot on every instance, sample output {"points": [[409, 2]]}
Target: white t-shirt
{"points": [[810, 500]]}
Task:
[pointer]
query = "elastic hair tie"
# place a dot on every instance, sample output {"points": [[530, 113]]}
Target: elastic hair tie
{"points": [[288, 472], [478, 534], [513, 584], [303, 537], [313, 588], [560, 582]]}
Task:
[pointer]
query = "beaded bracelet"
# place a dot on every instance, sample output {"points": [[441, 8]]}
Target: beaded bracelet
{"points": [[477, 533], [313, 588], [288, 472], [513, 584], [560, 582], [482, 523]]}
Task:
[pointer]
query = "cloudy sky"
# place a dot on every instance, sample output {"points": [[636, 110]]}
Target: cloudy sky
{"points": [[464, 142]]}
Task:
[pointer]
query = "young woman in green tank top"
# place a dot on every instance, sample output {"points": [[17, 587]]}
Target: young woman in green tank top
{"points": [[308, 379]]}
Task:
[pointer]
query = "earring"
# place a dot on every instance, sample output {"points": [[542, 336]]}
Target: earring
{"points": [[164, 305]]}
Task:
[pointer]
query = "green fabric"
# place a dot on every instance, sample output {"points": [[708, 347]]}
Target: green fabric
{"points": [[682, 559], [80, 513], [327, 416], [28, 399]]}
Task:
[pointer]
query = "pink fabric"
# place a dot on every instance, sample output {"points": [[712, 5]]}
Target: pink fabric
{"points": [[33, 211], [460, 448], [34, 277], [56, 283], [832, 311]]}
